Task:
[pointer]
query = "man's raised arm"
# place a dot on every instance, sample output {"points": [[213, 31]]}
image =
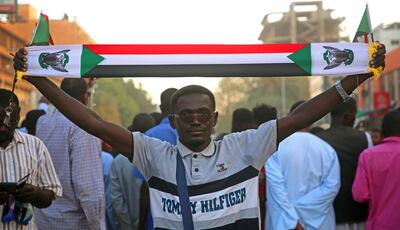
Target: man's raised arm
{"points": [[317, 107], [118, 137]]}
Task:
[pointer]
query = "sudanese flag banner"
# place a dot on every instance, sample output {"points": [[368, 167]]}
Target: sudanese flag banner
{"points": [[258, 60]]}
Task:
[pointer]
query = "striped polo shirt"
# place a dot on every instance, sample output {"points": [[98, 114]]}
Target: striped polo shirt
{"points": [[222, 179], [24, 155]]}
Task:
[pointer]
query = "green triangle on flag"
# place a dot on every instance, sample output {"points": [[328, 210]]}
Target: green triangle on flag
{"points": [[42, 32], [89, 60], [302, 58], [365, 25]]}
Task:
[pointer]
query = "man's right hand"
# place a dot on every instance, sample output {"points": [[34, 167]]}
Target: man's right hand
{"points": [[3, 197]]}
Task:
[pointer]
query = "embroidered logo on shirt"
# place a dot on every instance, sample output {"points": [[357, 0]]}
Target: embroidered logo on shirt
{"points": [[221, 167]]}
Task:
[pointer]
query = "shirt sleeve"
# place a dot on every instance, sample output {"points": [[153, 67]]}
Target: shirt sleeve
{"points": [[119, 205], [360, 187], [254, 145], [314, 205], [149, 154], [281, 212], [87, 177], [47, 176]]}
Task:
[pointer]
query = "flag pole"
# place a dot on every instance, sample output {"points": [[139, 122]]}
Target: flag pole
{"points": [[372, 33]]}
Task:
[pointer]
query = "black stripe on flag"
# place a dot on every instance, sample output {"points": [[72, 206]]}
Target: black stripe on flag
{"points": [[231, 70], [194, 190]]}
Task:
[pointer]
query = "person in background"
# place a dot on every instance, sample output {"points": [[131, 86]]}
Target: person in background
{"points": [[31, 120], [129, 195], [303, 179], [242, 119], [107, 159], [23, 155], [43, 104], [164, 131], [348, 144], [378, 177], [263, 113], [376, 136], [316, 129], [157, 117], [77, 159], [141, 123]]}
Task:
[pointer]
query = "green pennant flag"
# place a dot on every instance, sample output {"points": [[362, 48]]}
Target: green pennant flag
{"points": [[42, 33], [365, 26]]}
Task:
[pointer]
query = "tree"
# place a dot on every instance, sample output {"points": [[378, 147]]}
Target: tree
{"points": [[233, 93], [119, 101]]}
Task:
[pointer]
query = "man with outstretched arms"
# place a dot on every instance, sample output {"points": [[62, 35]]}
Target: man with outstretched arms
{"points": [[222, 176]]}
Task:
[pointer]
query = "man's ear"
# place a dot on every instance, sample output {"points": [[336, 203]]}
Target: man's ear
{"points": [[215, 119], [171, 119]]}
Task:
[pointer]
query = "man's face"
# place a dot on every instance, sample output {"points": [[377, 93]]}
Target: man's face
{"points": [[194, 119], [6, 133]]}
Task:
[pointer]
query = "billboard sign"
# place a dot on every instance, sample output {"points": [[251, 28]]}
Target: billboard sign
{"points": [[381, 102], [8, 6]]}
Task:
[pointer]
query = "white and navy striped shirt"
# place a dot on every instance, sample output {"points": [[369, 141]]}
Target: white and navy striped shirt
{"points": [[24, 155], [222, 179]]}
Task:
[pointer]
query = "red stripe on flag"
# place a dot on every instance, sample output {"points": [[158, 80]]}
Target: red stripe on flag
{"points": [[194, 49], [366, 38]]}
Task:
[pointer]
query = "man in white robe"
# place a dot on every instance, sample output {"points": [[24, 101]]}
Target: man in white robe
{"points": [[303, 179]]}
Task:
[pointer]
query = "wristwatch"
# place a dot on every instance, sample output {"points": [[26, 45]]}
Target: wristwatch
{"points": [[342, 92]]}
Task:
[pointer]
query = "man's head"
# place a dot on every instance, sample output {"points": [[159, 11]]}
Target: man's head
{"points": [[165, 99], [193, 116], [31, 120], [157, 117], [142, 122], [75, 88], [295, 105], [242, 119], [376, 136], [391, 124], [263, 113], [344, 113], [6, 133]]}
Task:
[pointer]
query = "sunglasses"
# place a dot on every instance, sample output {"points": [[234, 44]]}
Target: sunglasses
{"points": [[7, 120], [188, 116], [9, 123]]}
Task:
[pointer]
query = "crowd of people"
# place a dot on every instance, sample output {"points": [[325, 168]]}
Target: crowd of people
{"points": [[165, 171]]}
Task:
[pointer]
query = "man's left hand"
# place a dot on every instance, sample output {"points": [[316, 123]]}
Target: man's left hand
{"points": [[27, 194], [378, 58]]}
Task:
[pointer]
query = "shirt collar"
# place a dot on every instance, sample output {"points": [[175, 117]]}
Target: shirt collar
{"points": [[391, 138], [165, 120], [207, 152], [18, 137]]}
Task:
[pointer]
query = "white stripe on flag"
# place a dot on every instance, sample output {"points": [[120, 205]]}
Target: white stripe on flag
{"points": [[73, 66], [193, 59]]}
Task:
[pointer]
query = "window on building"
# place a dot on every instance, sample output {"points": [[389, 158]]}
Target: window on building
{"points": [[395, 42]]}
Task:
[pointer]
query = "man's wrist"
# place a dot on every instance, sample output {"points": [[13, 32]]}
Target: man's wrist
{"points": [[342, 92]]}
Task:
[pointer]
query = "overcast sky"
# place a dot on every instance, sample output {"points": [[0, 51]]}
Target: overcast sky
{"points": [[192, 22]]}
